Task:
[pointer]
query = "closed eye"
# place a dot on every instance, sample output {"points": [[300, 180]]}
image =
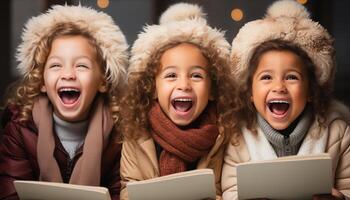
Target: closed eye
{"points": [[265, 77], [292, 77], [82, 66], [54, 66], [197, 76], [170, 76]]}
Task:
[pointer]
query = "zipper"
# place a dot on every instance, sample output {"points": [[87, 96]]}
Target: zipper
{"points": [[69, 168]]}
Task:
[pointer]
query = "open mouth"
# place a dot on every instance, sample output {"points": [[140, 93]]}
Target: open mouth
{"points": [[69, 95], [182, 104], [278, 107]]}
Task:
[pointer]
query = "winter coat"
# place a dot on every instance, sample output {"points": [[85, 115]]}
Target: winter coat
{"points": [[139, 162], [18, 158], [333, 139]]}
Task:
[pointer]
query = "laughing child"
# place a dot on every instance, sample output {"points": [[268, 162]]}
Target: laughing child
{"points": [[284, 64], [60, 122], [179, 103]]}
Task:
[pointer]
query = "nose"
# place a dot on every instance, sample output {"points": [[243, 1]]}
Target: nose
{"points": [[279, 86], [184, 84], [68, 73]]}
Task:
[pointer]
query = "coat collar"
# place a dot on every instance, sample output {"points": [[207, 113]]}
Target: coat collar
{"points": [[260, 149]]}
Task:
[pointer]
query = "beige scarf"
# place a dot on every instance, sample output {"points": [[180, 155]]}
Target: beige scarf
{"points": [[87, 170]]}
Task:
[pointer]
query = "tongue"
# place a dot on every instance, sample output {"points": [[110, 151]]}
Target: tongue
{"points": [[182, 106], [69, 98], [279, 108]]}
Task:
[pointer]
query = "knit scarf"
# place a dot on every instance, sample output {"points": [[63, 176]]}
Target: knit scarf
{"points": [[87, 170], [182, 144]]}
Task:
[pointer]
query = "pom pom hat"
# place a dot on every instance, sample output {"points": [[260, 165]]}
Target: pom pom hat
{"points": [[285, 20], [180, 23], [100, 26]]}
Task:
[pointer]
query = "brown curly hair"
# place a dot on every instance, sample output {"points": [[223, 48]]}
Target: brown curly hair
{"points": [[320, 95], [23, 94], [141, 90]]}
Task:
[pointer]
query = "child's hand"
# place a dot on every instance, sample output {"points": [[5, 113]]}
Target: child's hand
{"points": [[336, 195]]}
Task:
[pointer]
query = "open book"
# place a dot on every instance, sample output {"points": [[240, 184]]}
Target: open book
{"points": [[38, 190], [189, 185], [291, 177]]}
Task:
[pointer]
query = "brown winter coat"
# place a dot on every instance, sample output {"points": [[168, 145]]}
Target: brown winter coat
{"points": [[18, 158]]}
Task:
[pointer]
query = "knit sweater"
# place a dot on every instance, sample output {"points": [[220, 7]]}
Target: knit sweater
{"points": [[71, 135], [287, 144]]}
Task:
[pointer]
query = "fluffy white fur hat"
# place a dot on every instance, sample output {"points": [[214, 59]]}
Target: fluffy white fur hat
{"points": [[285, 20], [181, 22], [101, 27]]}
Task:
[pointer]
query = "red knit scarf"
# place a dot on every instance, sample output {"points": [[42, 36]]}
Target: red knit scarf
{"points": [[185, 144]]}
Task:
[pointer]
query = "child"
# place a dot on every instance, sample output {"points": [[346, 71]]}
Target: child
{"points": [[60, 121], [179, 103], [284, 65]]}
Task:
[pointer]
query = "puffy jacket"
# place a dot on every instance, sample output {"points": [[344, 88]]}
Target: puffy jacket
{"points": [[18, 158], [333, 139]]}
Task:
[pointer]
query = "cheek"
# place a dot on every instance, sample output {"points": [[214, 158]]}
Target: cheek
{"points": [[258, 95], [302, 94]]}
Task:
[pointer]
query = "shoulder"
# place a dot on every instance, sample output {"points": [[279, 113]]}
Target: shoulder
{"points": [[145, 141], [11, 113], [10, 121], [338, 111]]}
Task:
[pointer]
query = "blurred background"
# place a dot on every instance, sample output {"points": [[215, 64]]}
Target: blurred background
{"points": [[132, 15]]}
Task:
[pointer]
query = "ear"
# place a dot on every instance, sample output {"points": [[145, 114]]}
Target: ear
{"points": [[103, 87], [43, 88], [251, 98], [155, 95], [211, 97]]}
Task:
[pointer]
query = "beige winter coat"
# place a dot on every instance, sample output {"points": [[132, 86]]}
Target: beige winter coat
{"points": [[139, 162], [334, 139]]}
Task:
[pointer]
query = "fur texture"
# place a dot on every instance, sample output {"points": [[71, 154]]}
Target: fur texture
{"points": [[182, 22], [181, 11], [285, 20], [101, 26]]}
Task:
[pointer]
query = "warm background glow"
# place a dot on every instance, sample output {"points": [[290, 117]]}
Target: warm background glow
{"points": [[302, 1], [237, 14], [102, 3]]}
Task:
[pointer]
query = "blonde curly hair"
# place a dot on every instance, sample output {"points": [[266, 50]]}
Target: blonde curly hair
{"points": [[141, 90], [28, 88]]}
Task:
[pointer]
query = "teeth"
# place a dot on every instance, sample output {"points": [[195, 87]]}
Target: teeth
{"points": [[183, 100], [279, 101], [68, 90]]}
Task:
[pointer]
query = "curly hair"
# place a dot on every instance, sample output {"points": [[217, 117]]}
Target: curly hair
{"points": [[320, 95], [28, 88], [141, 91]]}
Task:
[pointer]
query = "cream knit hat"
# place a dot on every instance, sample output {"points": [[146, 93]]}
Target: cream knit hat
{"points": [[181, 22], [101, 27], [285, 20]]}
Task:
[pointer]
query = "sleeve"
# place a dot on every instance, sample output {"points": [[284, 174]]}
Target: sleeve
{"points": [[342, 149], [228, 177], [113, 175], [14, 163], [129, 168], [235, 153]]}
